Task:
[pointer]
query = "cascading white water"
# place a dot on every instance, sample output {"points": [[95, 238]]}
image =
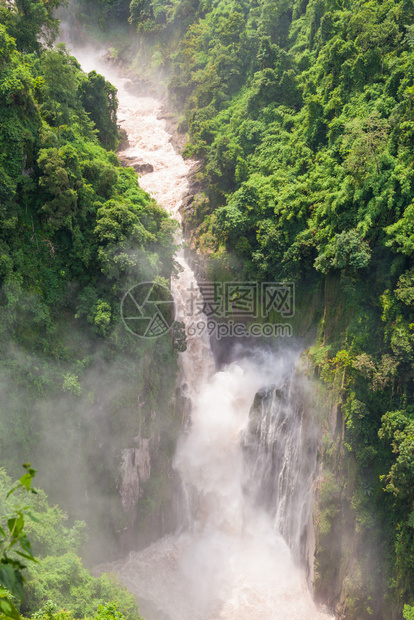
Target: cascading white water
{"points": [[232, 561], [280, 448], [150, 143]]}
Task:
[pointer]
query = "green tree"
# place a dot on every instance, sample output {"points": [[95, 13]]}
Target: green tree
{"points": [[364, 141], [29, 21], [99, 100], [60, 180], [408, 612], [15, 548], [59, 85]]}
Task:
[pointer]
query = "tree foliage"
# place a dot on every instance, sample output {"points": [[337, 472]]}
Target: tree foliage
{"points": [[302, 116], [56, 578], [76, 232], [15, 547]]}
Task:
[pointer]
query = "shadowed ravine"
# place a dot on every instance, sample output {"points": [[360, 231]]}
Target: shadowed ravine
{"points": [[247, 473]]}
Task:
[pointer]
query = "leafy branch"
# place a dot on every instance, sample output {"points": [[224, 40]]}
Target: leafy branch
{"points": [[15, 548]]}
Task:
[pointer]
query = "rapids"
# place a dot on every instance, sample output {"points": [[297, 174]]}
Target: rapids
{"points": [[230, 561]]}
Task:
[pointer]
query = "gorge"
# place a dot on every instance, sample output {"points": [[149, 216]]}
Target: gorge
{"points": [[269, 470], [247, 472]]}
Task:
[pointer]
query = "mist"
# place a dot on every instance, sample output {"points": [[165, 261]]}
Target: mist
{"points": [[212, 481], [233, 554], [229, 558], [99, 440]]}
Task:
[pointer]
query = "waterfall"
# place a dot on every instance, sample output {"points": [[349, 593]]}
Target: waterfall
{"points": [[246, 460], [280, 446], [248, 497]]}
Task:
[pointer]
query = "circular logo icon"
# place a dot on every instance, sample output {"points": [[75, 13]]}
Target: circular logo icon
{"points": [[148, 310]]}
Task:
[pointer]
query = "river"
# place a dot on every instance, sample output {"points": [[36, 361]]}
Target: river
{"points": [[230, 559]]}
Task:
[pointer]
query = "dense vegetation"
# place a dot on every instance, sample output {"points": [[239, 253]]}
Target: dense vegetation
{"points": [[302, 115], [76, 232], [33, 535]]}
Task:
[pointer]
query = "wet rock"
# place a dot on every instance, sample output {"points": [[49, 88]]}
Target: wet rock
{"points": [[135, 470], [143, 168], [129, 488], [139, 166], [143, 458]]}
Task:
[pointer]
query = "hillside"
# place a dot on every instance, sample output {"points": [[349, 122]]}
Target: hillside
{"points": [[302, 116]]}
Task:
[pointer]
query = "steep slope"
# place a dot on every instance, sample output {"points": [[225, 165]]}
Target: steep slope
{"points": [[76, 232], [302, 115]]}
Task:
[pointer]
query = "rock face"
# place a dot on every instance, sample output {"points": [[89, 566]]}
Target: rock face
{"points": [[150, 491], [194, 209], [176, 129], [139, 465], [129, 486], [135, 470]]}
